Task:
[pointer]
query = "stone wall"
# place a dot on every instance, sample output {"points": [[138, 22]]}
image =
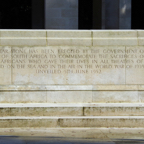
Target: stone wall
{"points": [[71, 79], [71, 66]]}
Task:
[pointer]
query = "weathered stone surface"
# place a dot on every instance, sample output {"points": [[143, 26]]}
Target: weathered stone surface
{"points": [[22, 37], [85, 109], [69, 97], [73, 122], [104, 121], [46, 97], [75, 78], [52, 65], [115, 37], [135, 71], [69, 38], [115, 97], [140, 37], [5, 73], [66, 65]]}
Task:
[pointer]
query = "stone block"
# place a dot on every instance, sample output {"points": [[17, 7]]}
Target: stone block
{"points": [[114, 37], [118, 122], [22, 38], [140, 37], [116, 88], [68, 34], [134, 69], [141, 96], [5, 123], [5, 65], [69, 38], [115, 97], [23, 97], [34, 97], [21, 122], [41, 111], [114, 110], [69, 97], [63, 111]]}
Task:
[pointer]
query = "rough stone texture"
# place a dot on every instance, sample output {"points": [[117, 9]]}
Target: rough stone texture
{"points": [[85, 109], [115, 37], [115, 97], [81, 135], [69, 38], [61, 14], [71, 78], [71, 122], [130, 122], [22, 37]]}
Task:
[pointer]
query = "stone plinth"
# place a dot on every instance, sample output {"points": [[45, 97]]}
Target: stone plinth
{"points": [[53, 71]]}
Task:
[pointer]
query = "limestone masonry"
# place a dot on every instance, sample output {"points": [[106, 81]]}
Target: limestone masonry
{"points": [[71, 78]]}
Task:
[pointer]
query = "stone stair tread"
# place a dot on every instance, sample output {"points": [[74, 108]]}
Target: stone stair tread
{"points": [[5, 105], [72, 117]]}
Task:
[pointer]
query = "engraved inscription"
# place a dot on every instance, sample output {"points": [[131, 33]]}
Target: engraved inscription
{"points": [[92, 60], [84, 64]]}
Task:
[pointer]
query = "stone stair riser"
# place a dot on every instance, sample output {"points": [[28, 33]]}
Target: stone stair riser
{"points": [[73, 122], [72, 111]]}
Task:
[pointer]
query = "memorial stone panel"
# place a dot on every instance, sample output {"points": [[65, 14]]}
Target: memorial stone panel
{"points": [[71, 79], [111, 62], [66, 65], [72, 65]]}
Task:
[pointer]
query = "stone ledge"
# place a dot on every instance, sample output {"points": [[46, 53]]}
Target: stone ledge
{"points": [[70, 117], [114, 33], [71, 87], [74, 122], [22, 38], [71, 37], [115, 37], [70, 105]]}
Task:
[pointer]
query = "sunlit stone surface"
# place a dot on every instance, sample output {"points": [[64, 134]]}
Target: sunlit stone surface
{"points": [[71, 79]]}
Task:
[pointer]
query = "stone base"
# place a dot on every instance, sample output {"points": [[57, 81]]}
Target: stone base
{"points": [[72, 115], [73, 122], [71, 79]]}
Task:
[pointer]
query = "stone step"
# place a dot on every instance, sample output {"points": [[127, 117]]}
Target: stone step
{"points": [[72, 94], [73, 122], [94, 109]]}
